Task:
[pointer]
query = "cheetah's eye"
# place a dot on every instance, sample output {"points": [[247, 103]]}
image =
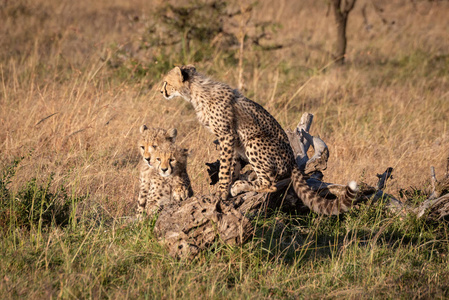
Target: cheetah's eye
{"points": [[172, 159], [154, 146], [158, 159], [142, 147]]}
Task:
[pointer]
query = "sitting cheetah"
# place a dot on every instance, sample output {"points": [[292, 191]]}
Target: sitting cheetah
{"points": [[246, 129], [163, 174]]}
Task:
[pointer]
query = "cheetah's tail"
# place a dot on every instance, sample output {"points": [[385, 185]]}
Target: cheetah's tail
{"points": [[319, 204]]}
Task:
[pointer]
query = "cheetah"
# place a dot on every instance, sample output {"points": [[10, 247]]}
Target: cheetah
{"points": [[245, 129], [163, 170]]}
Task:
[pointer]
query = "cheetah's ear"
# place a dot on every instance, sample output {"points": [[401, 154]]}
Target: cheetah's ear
{"points": [[190, 68], [143, 128], [187, 72], [180, 74], [171, 134], [177, 71]]}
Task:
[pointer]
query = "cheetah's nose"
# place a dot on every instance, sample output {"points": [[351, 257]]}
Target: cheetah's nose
{"points": [[164, 170]]}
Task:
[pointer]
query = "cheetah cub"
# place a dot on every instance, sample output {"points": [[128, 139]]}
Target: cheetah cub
{"points": [[245, 129], [163, 170]]}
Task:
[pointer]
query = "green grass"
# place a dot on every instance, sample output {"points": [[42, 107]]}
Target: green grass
{"points": [[368, 253]]}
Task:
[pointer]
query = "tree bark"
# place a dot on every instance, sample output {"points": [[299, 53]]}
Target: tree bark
{"points": [[341, 13]]}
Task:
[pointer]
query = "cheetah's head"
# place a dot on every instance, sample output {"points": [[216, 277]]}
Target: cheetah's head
{"points": [[173, 84], [168, 160], [153, 138]]}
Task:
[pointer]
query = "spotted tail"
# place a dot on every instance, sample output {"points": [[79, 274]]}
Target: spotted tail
{"points": [[319, 204]]}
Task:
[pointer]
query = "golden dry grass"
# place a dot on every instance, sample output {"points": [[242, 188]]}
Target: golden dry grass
{"points": [[62, 110]]}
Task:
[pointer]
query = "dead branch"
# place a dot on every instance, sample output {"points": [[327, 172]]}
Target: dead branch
{"points": [[301, 140], [384, 177], [433, 181], [318, 162], [297, 140], [435, 209], [436, 206], [393, 204]]}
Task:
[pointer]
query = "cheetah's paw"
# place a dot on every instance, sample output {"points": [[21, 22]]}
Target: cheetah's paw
{"points": [[180, 195], [238, 187]]}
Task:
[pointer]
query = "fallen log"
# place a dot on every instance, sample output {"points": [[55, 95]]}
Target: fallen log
{"points": [[188, 227], [195, 224]]}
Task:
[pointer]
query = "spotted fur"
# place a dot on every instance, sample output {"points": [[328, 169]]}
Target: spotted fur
{"points": [[163, 170], [246, 129]]}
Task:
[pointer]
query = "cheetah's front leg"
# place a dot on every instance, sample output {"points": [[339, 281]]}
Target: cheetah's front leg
{"points": [[181, 188], [264, 168], [157, 197], [226, 164], [143, 194]]}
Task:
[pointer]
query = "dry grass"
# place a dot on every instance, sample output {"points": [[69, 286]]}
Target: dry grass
{"points": [[67, 112], [387, 108]]}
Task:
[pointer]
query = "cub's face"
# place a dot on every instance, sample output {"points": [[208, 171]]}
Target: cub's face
{"points": [[173, 82], [164, 162], [153, 138], [167, 160]]}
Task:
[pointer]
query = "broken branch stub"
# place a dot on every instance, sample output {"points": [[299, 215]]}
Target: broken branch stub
{"points": [[298, 142], [318, 162], [384, 177]]}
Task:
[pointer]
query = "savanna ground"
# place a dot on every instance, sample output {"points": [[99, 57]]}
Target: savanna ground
{"points": [[78, 78]]}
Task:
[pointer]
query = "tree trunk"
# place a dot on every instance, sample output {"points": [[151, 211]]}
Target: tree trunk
{"points": [[340, 52], [341, 13]]}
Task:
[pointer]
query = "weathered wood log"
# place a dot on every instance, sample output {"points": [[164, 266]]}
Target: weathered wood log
{"points": [[190, 226], [435, 207], [193, 225], [196, 223], [440, 187]]}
